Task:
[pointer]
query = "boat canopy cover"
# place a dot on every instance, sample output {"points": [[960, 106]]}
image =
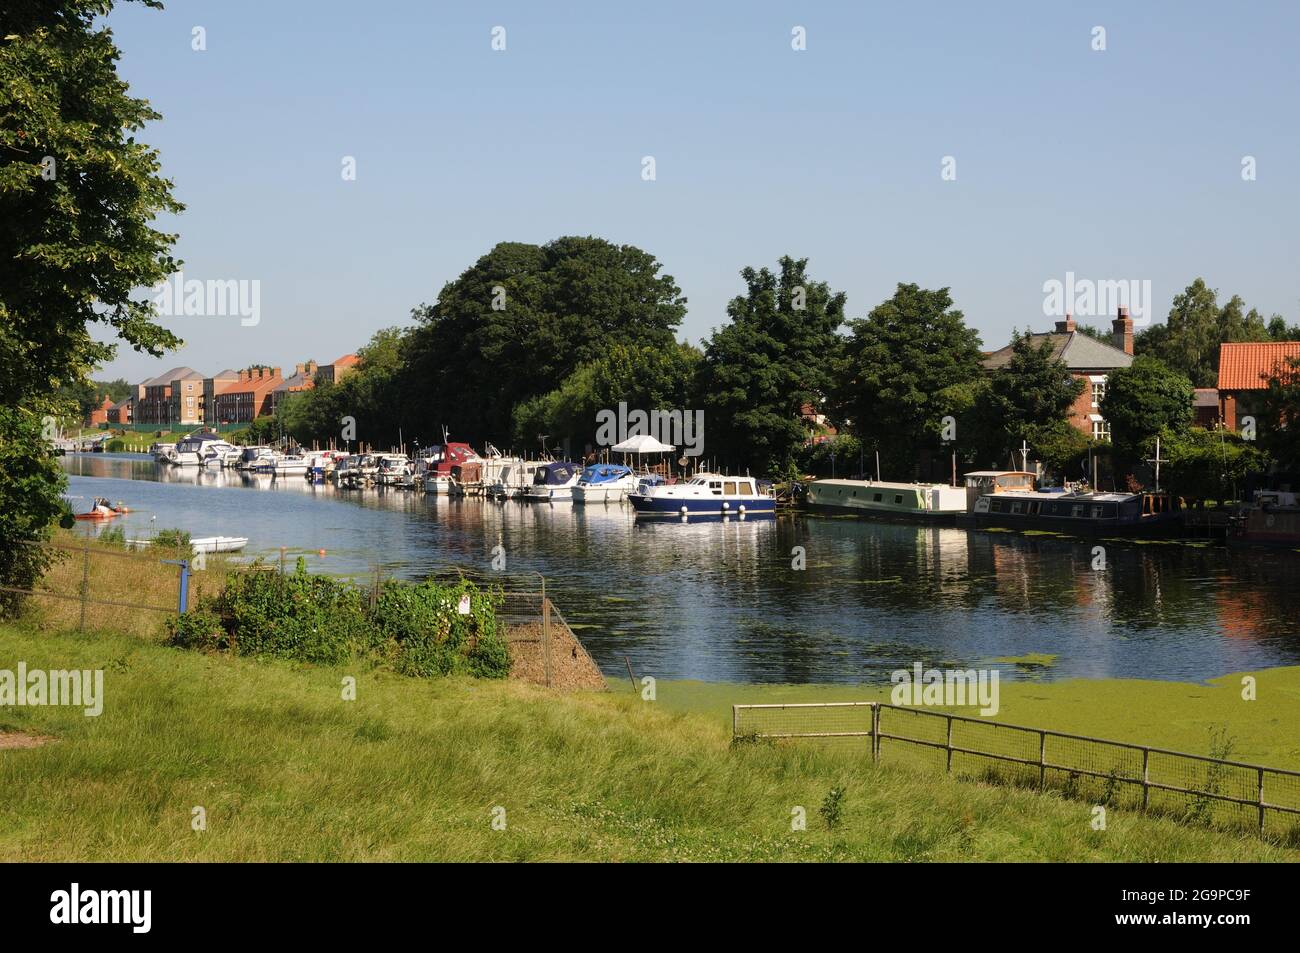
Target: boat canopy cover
{"points": [[642, 443], [605, 472], [555, 474]]}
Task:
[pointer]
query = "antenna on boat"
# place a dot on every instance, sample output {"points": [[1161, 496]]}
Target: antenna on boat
{"points": [[1157, 461]]}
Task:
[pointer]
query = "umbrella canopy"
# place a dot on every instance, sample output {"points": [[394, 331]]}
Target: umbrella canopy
{"points": [[642, 443]]}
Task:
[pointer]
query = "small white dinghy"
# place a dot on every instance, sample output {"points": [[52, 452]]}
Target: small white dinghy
{"points": [[204, 544]]}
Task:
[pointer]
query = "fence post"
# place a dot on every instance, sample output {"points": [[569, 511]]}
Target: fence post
{"points": [[546, 638], [1146, 778], [875, 731], [1042, 760], [185, 587], [948, 744], [85, 582], [1261, 801], [735, 716]]}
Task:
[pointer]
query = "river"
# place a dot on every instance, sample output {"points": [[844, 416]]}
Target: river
{"points": [[722, 601]]}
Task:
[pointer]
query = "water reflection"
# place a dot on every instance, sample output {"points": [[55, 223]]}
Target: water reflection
{"points": [[721, 600]]}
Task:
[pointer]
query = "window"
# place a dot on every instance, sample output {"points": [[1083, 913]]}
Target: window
{"points": [[716, 487], [730, 489], [1017, 507], [1098, 390], [876, 498], [898, 499], [1096, 512], [1077, 511], [1100, 429]]}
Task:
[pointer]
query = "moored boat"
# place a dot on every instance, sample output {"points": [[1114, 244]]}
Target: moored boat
{"points": [[921, 502], [604, 483], [706, 494], [1080, 512], [553, 482]]}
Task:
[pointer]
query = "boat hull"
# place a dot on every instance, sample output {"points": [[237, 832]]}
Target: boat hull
{"points": [[1170, 525], [652, 506]]}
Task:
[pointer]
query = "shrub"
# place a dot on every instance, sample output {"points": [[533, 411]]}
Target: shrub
{"points": [[177, 539], [418, 630]]}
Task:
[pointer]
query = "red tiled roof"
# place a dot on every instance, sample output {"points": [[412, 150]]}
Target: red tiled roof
{"points": [[1245, 366]]}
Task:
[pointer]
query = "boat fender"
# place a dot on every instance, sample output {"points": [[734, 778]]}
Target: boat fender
{"points": [[742, 507], [684, 510], [726, 505]]}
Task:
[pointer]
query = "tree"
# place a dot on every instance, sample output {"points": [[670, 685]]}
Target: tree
{"points": [[1142, 400], [1202, 465], [645, 378], [908, 364], [523, 318], [1025, 401], [1280, 415], [773, 357], [77, 196]]}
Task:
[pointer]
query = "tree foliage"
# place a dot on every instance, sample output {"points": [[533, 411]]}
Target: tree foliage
{"points": [[908, 364], [78, 195], [773, 357], [1142, 400]]}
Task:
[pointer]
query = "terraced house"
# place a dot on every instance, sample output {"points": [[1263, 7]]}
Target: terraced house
{"points": [[247, 398], [175, 397]]}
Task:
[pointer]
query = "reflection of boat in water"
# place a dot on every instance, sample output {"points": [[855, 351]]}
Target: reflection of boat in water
{"points": [[706, 494], [1080, 512], [922, 502]]}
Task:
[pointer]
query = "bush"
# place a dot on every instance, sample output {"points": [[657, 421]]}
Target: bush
{"points": [[418, 630], [177, 539]]}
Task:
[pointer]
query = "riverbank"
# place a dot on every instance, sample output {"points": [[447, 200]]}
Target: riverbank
{"points": [[284, 769]]}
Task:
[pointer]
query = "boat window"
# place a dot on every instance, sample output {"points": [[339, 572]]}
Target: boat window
{"points": [[1076, 510], [730, 489], [877, 498], [1033, 508], [898, 499], [1096, 512], [716, 487], [1017, 507]]}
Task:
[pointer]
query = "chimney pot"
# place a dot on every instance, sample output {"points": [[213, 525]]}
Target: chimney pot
{"points": [[1122, 331], [1067, 326]]}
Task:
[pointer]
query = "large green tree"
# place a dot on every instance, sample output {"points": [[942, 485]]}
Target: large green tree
{"points": [[911, 362], [1279, 419], [78, 196], [760, 369], [523, 318], [1143, 400]]}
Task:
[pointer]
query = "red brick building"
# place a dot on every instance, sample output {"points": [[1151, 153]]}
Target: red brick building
{"points": [[247, 398], [1088, 360], [1244, 370]]}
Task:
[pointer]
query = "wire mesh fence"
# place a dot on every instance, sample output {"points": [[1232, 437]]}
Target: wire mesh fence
{"points": [[1196, 788]]}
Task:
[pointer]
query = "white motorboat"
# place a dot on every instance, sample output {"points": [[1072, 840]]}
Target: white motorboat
{"points": [[604, 483], [194, 450], [553, 482]]}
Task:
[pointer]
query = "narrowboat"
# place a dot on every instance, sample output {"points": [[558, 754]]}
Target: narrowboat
{"points": [[1081, 512], [603, 483], [920, 502], [706, 494]]}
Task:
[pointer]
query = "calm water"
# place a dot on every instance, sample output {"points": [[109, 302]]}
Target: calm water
{"points": [[721, 602]]}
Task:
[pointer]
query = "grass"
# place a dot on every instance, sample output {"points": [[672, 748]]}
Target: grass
{"points": [[413, 769]]}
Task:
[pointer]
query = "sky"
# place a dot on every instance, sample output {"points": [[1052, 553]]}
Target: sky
{"points": [[989, 148]]}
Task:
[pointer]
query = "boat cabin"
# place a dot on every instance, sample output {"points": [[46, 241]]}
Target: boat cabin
{"points": [[980, 482]]}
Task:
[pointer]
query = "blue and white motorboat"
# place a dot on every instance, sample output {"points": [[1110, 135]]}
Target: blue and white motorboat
{"points": [[603, 483], [706, 494], [554, 482]]}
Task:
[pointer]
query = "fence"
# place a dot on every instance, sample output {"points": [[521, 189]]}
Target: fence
{"points": [[1208, 790]]}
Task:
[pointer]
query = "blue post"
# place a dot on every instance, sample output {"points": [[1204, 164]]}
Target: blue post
{"points": [[184, 600]]}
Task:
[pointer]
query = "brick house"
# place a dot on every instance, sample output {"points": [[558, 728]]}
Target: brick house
{"points": [[1088, 360], [249, 397], [212, 386], [1244, 370], [171, 398], [303, 378], [121, 412], [333, 373], [100, 414], [1205, 408]]}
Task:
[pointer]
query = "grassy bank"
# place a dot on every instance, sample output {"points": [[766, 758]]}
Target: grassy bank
{"points": [[412, 769]]}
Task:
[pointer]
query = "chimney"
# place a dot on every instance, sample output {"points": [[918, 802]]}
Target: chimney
{"points": [[275, 372], [1067, 326], [299, 368], [1122, 331]]}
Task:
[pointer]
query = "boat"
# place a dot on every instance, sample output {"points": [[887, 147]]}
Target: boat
{"points": [[203, 544], [162, 452], [193, 451], [920, 502], [440, 459], [101, 509], [705, 494], [251, 457], [514, 479], [322, 463], [604, 482], [356, 470], [284, 466], [1080, 512], [1272, 519], [553, 482], [392, 469]]}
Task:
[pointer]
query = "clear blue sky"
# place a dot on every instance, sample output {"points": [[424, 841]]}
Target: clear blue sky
{"points": [[1117, 164]]}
